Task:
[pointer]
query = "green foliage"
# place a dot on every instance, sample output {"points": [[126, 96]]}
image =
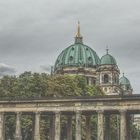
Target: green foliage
{"points": [[135, 132], [63, 85], [35, 85], [27, 127], [44, 127], [9, 127], [94, 90], [94, 127]]}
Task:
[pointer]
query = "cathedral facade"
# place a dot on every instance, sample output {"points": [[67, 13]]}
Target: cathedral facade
{"points": [[81, 59]]}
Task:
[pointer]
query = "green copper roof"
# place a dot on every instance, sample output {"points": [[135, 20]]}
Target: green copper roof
{"points": [[77, 54], [124, 81], [108, 60]]}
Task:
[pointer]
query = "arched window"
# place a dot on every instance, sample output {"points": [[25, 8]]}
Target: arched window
{"points": [[116, 79], [106, 78]]}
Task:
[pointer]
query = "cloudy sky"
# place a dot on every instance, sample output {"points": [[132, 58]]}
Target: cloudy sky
{"points": [[34, 32]]}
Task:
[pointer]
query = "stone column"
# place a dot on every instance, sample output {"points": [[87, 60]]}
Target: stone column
{"points": [[78, 125], [100, 125], [118, 127], [57, 126], [128, 128], [37, 126], [1, 126], [107, 127], [123, 125], [18, 126], [69, 127], [52, 127], [88, 128]]}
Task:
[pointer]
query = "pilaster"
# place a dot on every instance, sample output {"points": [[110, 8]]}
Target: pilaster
{"points": [[37, 126], [57, 126], [123, 125], [100, 125], [52, 127], [78, 125], [107, 127], [18, 126], [88, 128], [69, 127], [1, 126]]}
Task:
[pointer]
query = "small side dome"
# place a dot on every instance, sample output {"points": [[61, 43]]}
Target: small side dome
{"points": [[124, 81], [108, 59], [125, 85]]}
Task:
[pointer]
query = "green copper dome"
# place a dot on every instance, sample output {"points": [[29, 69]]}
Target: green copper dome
{"points": [[76, 55], [108, 60], [124, 81]]}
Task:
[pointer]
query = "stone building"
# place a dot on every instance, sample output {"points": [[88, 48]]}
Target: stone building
{"points": [[81, 59]]}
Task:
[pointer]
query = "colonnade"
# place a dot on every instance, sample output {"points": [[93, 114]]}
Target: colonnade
{"points": [[103, 126]]}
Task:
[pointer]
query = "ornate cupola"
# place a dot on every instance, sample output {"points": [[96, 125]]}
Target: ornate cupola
{"points": [[109, 74]]}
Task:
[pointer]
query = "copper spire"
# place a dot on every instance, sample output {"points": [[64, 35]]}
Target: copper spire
{"points": [[78, 34], [107, 49], [78, 37]]}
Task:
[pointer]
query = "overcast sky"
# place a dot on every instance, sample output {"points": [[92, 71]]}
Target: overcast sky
{"points": [[34, 32]]}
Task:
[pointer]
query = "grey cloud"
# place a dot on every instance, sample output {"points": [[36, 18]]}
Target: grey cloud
{"points": [[6, 69], [34, 32], [46, 68]]}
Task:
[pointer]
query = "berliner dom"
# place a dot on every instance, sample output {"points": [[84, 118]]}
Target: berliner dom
{"points": [[81, 59]]}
